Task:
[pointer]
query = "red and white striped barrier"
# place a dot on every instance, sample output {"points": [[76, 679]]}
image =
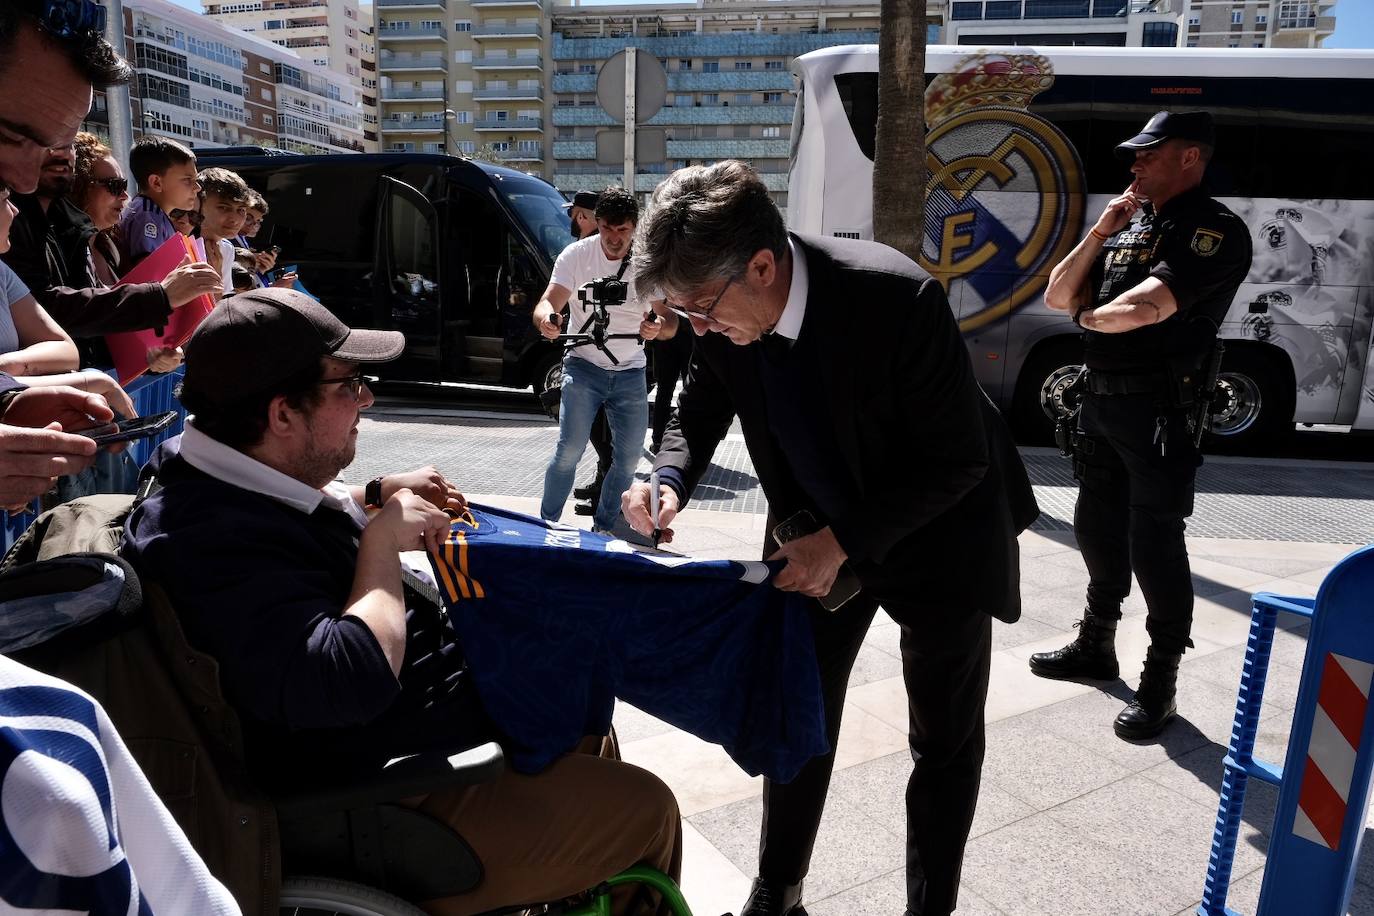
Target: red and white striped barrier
{"points": [[1336, 733]]}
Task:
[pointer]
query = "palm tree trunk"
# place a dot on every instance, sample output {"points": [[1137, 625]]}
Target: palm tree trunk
{"points": [[899, 167]]}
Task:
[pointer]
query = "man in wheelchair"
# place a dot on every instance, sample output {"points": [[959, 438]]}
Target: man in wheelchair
{"points": [[327, 648]]}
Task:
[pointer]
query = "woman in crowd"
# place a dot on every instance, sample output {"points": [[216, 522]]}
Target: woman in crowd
{"points": [[31, 343]]}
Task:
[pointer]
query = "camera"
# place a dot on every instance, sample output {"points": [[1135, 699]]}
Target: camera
{"points": [[606, 291]]}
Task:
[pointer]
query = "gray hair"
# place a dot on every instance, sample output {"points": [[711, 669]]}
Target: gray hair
{"points": [[705, 223]]}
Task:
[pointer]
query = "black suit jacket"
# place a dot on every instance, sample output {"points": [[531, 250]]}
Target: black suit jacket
{"points": [[943, 492]]}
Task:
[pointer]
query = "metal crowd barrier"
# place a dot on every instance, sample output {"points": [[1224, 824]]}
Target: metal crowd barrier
{"points": [[1324, 782], [151, 394]]}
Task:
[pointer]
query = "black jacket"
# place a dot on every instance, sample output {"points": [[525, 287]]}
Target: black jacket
{"points": [[942, 490], [49, 252]]}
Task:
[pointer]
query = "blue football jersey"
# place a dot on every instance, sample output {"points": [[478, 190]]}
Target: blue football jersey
{"points": [[557, 622]]}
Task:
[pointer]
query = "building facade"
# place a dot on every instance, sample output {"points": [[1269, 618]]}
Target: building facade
{"points": [[206, 84], [730, 92], [326, 33], [465, 77], [1142, 23]]}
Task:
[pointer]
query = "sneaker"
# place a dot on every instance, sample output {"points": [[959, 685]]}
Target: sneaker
{"points": [[585, 508]]}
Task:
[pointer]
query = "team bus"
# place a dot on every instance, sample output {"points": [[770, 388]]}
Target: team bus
{"points": [[1020, 163], [454, 253]]}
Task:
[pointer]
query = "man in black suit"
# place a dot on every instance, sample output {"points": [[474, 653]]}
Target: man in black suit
{"points": [[859, 407]]}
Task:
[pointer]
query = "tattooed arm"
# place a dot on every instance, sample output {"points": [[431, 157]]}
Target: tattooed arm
{"points": [[1148, 302]]}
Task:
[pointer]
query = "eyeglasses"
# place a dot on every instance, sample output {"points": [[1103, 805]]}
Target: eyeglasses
{"points": [[68, 19], [355, 383], [116, 186], [193, 215], [704, 314]]}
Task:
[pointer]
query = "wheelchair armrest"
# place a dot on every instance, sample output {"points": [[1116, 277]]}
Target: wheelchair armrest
{"points": [[404, 777]]}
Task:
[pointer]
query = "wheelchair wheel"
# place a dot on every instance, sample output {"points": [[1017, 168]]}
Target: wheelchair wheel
{"points": [[305, 896]]}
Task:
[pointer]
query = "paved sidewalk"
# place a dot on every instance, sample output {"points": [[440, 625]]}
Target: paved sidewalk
{"points": [[1071, 819]]}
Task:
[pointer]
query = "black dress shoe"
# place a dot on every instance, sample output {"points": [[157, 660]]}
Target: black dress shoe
{"points": [[585, 508], [770, 899]]}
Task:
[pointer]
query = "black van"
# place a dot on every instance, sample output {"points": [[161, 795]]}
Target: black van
{"points": [[452, 252]]}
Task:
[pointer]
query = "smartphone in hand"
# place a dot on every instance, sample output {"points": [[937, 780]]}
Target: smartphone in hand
{"points": [[846, 584], [130, 429]]}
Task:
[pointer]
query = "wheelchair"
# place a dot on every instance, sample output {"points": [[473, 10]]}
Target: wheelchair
{"points": [[352, 849]]}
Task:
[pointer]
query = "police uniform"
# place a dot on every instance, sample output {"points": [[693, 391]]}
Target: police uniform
{"points": [[1133, 449]]}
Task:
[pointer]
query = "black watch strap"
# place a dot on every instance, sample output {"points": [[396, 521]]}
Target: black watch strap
{"points": [[372, 494]]}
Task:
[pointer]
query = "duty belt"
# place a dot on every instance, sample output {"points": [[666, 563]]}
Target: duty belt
{"points": [[1111, 383]]}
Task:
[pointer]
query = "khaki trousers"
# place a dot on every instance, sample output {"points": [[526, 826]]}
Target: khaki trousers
{"points": [[548, 836]]}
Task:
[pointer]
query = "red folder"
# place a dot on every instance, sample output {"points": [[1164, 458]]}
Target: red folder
{"points": [[130, 348]]}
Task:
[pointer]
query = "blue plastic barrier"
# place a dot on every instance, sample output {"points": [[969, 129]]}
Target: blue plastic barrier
{"points": [[151, 394], [1325, 780]]}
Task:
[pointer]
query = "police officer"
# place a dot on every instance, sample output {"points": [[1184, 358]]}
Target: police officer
{"points": [[1149, 285]]}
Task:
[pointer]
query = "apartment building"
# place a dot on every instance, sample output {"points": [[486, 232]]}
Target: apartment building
{"points": [[730, 92], [465, 77], [210, 85], [1142, 23], [371, 138], [326, 33]]}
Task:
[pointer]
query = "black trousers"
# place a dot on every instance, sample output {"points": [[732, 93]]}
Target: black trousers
{"points": [[671, 357], [1133, 497], [946, 656]]}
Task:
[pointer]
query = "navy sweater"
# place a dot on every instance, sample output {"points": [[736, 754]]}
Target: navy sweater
{"points": [[261, 587]]}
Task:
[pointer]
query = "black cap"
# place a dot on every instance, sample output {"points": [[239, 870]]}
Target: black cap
{"points": [[254, 341], [585, 199], [1170, 125]]}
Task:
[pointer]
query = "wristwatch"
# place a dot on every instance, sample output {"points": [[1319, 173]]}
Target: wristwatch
{"points": [[372, 494]]}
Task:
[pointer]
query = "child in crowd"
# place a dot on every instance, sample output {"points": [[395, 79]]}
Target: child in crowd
{"points": [[185, 221], [165, 172], [223, 210]]}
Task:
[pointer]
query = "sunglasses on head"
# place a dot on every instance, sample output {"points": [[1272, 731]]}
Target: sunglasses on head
{"points": [[68, 19], [116, 186]]}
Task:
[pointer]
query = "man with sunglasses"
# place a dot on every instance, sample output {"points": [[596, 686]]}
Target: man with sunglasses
{"points": [[594, 377], [888, 467], [50, 252], [334, 656]]}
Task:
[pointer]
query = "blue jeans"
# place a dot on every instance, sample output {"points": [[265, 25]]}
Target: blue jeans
{"points": [[585, 388]]}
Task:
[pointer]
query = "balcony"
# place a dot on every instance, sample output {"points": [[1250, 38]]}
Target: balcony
{"points": [[435, 94], [411, 4], [507, 62], [513, 30], [510, 93], [509, 125], [669, 116], [522, 155], [390, 35], [536, 4], [413, 125], [716, 44], [691, 81], [412, 62]]}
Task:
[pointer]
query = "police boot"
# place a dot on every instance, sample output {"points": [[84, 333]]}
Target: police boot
{"points": [[1091, 655], [1154, 704]]}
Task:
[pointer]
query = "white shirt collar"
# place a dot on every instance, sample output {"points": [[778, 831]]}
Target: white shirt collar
{"points": [[212, 457], [790, 322]]}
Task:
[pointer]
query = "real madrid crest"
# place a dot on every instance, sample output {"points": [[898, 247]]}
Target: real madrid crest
{"points": [[1005, 195], [1205, 243]]}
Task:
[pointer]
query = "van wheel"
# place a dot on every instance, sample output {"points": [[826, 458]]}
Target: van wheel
{"points": [[1253, 405], [329, 897], [1040, 388], [548, 379]]}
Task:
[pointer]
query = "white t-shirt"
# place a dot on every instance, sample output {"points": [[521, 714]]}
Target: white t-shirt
{"points": [[12, 289], [582, 262]]}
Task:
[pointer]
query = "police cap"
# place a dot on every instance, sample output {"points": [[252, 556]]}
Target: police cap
{"points": [[584, 199], [1170, 125]]}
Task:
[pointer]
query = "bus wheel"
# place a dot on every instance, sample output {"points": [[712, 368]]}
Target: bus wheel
{"points": [[548, 380], [1040, 389], [1253, 405]]}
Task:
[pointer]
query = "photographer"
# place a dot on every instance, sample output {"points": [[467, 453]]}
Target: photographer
{"points": [[609, 374]]}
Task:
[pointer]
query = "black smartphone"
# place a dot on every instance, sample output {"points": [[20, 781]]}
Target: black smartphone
{"points": [[846, 584], [128, 430]]}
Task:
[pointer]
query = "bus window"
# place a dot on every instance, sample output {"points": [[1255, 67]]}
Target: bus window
{"points": [[859, 96]]}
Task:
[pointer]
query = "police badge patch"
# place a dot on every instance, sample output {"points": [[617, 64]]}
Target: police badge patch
{"points": [[1206, 242]]}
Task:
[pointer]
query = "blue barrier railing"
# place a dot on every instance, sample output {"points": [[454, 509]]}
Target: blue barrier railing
{"points": [[151, 394]]}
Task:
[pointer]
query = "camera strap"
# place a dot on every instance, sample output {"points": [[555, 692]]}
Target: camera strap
{"points": [[625, 263]]}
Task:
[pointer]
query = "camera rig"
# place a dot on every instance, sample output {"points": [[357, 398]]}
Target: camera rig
{"points": [[598, 296]]}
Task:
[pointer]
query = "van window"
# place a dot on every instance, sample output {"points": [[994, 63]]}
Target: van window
{"points": [[540, 208]]}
